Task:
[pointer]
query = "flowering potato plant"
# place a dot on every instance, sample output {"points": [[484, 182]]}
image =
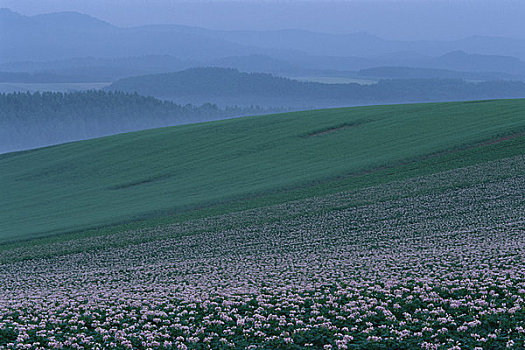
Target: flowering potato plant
{"points": [[436, 262]]}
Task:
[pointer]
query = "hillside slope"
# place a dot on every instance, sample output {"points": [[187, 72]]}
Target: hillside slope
{"points": [[245, 162]]}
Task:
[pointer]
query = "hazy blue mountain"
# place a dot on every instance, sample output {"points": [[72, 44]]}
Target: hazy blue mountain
{"points": [[453, 65], [461, 60], [66, 35], [73, 47], [358, 44], [9, 77], [392, 72], [492, 45], [101, 69], [454, 60], [364, 44]]}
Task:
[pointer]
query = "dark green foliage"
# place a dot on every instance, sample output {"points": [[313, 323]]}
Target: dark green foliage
{"points": [[220, 83], [7, 335], [37, 119]]}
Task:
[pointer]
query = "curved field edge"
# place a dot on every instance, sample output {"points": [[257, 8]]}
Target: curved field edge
{"points": [[176, 174], [453, 171], [444, 161]]}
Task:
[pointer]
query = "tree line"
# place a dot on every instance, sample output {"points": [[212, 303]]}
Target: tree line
{"points": [[42, 118]]}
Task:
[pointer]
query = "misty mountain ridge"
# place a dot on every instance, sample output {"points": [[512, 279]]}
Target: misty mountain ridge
{"points": [[67, 19], [69, 34], [91, 69], [401, 72], [77, 35]]}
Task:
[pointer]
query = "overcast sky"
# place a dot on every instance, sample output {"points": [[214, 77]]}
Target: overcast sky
{"points": [[407, 19]]}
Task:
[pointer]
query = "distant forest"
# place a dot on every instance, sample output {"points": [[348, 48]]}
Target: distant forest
{"points": [[30, 120], [226, 86]]}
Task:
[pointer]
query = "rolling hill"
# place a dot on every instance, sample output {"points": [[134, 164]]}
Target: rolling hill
{"points": [[219, 167], [225, 86]]}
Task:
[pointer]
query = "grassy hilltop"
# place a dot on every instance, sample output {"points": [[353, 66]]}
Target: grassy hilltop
{"points": [[248, 162]]}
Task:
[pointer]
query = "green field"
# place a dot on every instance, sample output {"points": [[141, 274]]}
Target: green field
{"points": [[391, 227], [163, 175]]}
